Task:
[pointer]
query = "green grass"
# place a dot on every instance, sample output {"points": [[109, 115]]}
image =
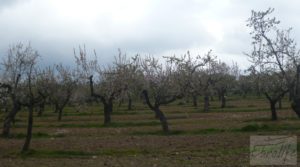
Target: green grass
{"points": [[111, 125], [79, 154], [34, 135]]}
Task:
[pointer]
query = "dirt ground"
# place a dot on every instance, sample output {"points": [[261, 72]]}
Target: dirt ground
{"points": [[217, 138]]}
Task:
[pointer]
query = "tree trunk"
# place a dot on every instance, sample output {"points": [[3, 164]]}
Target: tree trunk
{"points": [[219, 95], [129, 104], [60, 114], [223, 100], [56, 108], [206, 103], [29, 130], [296, 96], [280, 103], [162, 119], [41, 109], [107, 112], [291, 94], [9, 119], [273, 110], [195, 101]]}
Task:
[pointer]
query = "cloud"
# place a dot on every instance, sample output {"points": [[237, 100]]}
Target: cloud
{"points": [[157, 27]]}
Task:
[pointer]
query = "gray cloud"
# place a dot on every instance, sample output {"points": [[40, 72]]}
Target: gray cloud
{"points": [[152, 26]]}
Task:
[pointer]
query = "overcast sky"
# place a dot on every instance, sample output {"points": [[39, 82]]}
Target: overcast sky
{"points": [[156, 27]]}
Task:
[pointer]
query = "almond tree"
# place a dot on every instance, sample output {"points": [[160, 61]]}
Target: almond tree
{"points": [[107, 86], [62, 87], [32, 98], [186, 68], [130, 75], [15, 66], [224, 79], [160, 87], [206, 77], [44, 84], [19, 74], [274, 55]]}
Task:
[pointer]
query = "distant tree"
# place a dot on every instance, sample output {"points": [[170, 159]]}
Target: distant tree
{"points": [[131, 77], [245, 85], [61, 88], [224, 79], [208, 79], [44, 85], [186, 69]]}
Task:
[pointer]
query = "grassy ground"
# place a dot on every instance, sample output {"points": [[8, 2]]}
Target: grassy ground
{"points": [[217, 138]]}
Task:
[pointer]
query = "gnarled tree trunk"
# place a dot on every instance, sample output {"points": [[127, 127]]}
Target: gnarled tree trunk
{"points": [[158, 113], [10, 118], [162, 119]]}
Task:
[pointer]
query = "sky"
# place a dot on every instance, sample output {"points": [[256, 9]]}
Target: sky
{"points": [[146, 27]]}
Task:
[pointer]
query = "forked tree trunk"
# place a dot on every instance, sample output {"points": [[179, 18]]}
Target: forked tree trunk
{"points": [[29, 130], [273, 102], [158, 113]]}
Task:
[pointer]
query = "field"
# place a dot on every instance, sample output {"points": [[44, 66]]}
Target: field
{"points": [[217, 138]]}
